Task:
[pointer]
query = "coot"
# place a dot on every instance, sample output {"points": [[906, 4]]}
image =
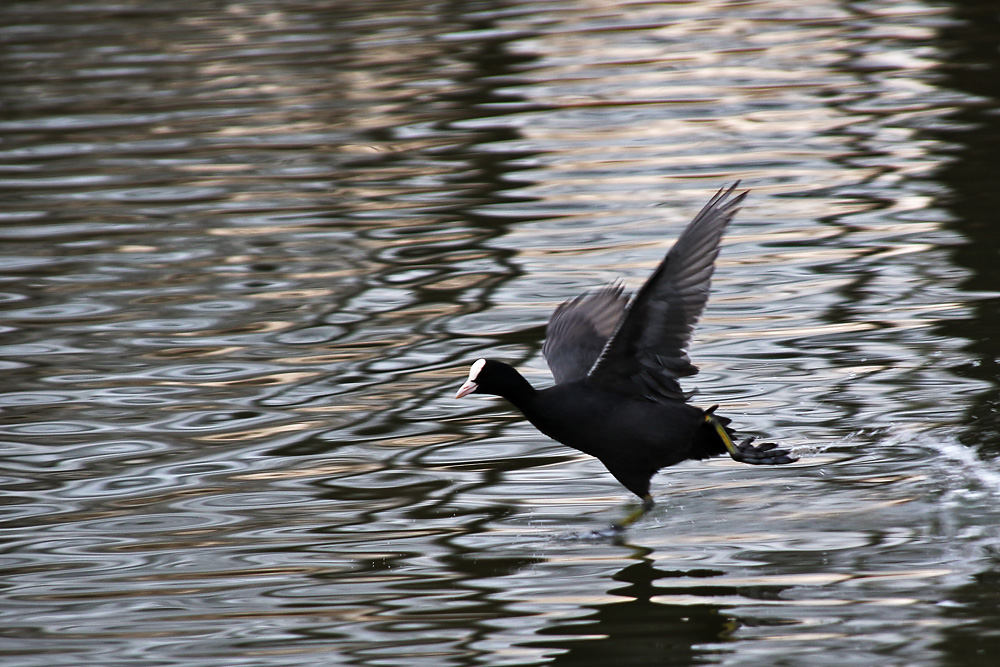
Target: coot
{"points": [[617, 362]]}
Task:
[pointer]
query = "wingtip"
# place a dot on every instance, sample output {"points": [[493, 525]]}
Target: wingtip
{"points": [[724, 198], [732, 188]]}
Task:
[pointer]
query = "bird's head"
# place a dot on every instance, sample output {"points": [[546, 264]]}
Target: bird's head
{"points": [[492, 377]]}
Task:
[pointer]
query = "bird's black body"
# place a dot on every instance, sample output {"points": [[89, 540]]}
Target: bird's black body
{"points": [[617, 363], [632, 437]]}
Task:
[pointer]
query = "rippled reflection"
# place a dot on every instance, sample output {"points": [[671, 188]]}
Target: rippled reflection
{"points": [[248, 249]]}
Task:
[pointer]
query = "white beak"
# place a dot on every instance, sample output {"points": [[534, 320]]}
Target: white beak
{"points": [[466, 389]]}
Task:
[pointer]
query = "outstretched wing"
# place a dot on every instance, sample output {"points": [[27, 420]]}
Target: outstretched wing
{"points": [[578, 331], [647, 353]]}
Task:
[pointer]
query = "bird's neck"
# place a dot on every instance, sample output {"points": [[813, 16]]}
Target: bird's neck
{"points": [[519, 392]]}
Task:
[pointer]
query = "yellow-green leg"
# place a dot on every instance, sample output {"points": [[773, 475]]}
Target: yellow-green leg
{"points": [[721, 430], [647, 504]]}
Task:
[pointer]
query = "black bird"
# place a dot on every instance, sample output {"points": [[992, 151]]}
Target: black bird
{"points": [[617, 363]]}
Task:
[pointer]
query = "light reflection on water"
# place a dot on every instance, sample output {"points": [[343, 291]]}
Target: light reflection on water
{"points": [[247, 253]]}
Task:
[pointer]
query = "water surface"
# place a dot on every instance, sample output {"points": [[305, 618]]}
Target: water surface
{"points": [[248, 250]]}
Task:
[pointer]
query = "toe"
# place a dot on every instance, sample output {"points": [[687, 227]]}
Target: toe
{"points": [[767, 453]]}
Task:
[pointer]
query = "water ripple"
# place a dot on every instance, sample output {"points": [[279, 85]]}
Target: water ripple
{"points": [[248, 254]]}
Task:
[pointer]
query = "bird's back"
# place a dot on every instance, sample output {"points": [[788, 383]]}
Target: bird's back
{"points": [[609, 425]]}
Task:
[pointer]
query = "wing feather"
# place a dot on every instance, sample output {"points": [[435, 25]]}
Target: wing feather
{"points": [[578, 331], [647, 352]]}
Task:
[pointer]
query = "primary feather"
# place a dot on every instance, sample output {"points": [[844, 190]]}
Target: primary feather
{"points": [[647, 352], [640, 348]]}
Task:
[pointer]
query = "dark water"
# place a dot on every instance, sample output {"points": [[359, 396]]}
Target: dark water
{"points": [[250, 248]]}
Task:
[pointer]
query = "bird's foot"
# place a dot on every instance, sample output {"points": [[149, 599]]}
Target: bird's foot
{"points": [[767, 453], [635, 515], [746, 452], [615, 533]]}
